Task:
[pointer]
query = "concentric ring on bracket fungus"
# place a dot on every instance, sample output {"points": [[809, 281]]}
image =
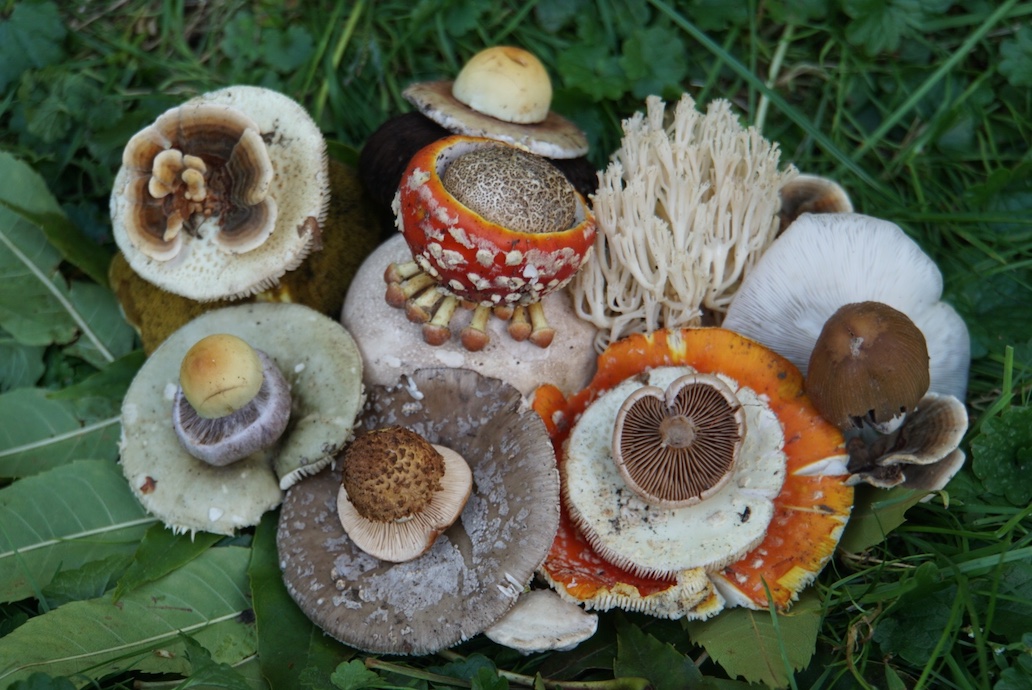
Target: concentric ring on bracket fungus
{"points": [[476, 569], [809, 512]]}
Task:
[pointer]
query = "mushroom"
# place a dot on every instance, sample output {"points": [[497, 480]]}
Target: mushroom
{"points": [[232, 400], [502, 93], [350, 232], [491, 225], [476, 569], [771, 527], [222, 195], [541, 621], [399, 492], [686, 206], [811, 194], [323, 372], [390, 346]]}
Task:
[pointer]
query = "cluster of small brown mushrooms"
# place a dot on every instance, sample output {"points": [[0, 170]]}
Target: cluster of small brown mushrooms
{"points": [[669, 375]]}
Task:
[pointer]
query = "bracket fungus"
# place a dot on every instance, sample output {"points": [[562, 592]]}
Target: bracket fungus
{"points": [[686, 206], [221, 196], [773, 525], [488, 225], [476, 569], [324, 376], [390, 346]]}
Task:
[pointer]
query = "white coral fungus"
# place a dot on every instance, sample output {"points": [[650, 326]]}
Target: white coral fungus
{"points": [[686, 205]]}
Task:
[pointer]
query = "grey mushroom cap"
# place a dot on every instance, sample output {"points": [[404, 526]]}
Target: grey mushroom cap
{"points": [[324, 373], [392, 345], [542, 621], [476, 569], [824, 261]]}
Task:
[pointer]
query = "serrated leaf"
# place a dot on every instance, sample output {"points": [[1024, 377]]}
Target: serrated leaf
{"points": [[89, 581], [592, 69], [653, 60], [44, 433], [876, 512], [205, 600], [912, 630], [1016, 54], [642, 655], [1001, 455], [30, 37], [159, 553], [25, 194], [289, 644], [20, 365], [745, 642], [353, 675], [878, 26], [61, 519], [205, 672], [286, 51]]}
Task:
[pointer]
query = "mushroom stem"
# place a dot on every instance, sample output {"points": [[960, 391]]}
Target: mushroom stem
{"points": [[396, 273], [474, 336], [437, 330], [541, 333], [519, 325], [418, 308], [398, 293]]}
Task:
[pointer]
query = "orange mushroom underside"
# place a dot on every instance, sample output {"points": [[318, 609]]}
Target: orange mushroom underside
{"points": [[810, 511]]}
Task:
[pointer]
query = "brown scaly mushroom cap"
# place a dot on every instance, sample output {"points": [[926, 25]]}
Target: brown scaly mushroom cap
{"points": [[221, 196], [502, 93], [678, 447], [232, 400], [868, 366], [475, 570], [399, 492]]}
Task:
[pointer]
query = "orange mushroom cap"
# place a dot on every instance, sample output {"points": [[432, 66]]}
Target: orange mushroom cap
{"points": [[809, 513]]}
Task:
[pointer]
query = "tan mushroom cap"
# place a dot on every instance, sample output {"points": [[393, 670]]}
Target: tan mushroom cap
{"points": [[476, 569], [241, 206], [189, 495], [219, 374], [811, 194], [399, 492], [662, 542]]}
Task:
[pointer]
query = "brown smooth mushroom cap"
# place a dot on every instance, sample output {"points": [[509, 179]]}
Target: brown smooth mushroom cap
{"points": [[189, 495], [390, 345], [542, 621], [476, 569], [811, 194], [256, 218]]}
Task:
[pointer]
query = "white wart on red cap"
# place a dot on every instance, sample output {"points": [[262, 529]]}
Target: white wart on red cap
{"points": [[221, 196], [324, 371], [824, 261], [475, 570]]}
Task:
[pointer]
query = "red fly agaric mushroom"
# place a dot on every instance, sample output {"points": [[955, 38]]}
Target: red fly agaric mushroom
{"points": [[788, 480], [490, 225], [189, 494], [474, 571], [222, 195]]}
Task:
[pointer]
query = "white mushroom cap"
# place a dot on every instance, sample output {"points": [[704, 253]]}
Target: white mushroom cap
{"points": [[189, 495], [824, 261], [391, 345], [542, 621], [276, 157]]}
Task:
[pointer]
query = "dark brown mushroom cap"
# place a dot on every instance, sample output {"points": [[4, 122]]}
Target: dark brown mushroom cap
{"points": [[476, 569], [869, 365], [811, 194], [677, 447]]}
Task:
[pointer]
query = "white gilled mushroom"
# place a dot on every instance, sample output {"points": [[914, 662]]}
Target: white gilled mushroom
{"points": [[542, 621], [399, 492], [221, 196], [476, 569], [323, 372]]}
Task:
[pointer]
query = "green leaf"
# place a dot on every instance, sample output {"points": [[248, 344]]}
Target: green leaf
{"points": [[25, 194], [45, 433], [21, 366], [352, 675], [61, 519], [1016, 58], [41, 681], [289, 644], [159, 553], [1014, 601], [205, 672], [642, 655], [653, 60], [876, 512], [1001, 455], [746, 644], [286, 51], [89, 581], [592, 69], [30, 37], [100, 309], [879, 25], [99, 395], [913, 628], [205, 600], [486, 679]]}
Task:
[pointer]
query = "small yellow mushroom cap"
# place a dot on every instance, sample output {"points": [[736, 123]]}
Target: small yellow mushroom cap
{"points": [[220, 374], [505, 82]]}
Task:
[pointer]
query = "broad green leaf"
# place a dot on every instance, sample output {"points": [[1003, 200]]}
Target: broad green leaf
{"points": [[61, 519], [745, 642], [1001, 455], [876, 512], [642, 655], [353, 675], [653, 60], [204, 600], [160, 553], [20, 365], [100, 309], [289, 644], [89, 581], [25, 194], [207, 673], [593, 70], [1014, 601], [43, 433], [41, 681], [912, 629], [30, 37], [1016, 52]]}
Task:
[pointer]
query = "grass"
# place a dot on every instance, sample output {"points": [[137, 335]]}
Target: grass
{"points": [[923, 111]]}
